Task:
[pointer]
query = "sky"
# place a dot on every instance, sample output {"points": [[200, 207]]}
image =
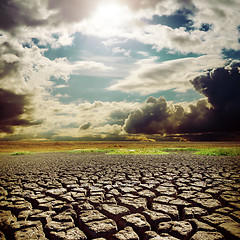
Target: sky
{"points": [[120, 70]]}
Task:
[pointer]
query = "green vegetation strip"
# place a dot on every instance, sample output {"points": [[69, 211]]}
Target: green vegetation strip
{"points": [[21, 153], [218, 151], [122, 151], [142, 151], [88, 150], [183, 149], [228, 151]]}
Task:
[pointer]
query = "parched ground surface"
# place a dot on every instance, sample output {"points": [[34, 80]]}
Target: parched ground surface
{"points": [[96, 196]]}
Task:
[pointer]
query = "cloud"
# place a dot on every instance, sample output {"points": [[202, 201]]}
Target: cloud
{"points": [[149, 118], [72, 10], [89, 65], [219, 113], [223, 34], [15, 13], [178, 39], [25, 76], [223, 16], [191, 41], [114, 41], [151, 77], [118, 116], [206, 119], [192, 38], [14, 111], [119, 50], [61, 86], [221, 86], [55, 22], [149, 8], [26, 69], [85, 126], [142, 53], [62, 95], [59, 121], [51, 22]]}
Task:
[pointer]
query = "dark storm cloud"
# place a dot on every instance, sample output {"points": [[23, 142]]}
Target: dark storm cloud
{"points": [[17, 13], [200, 119], [14, 14], [222, 88], [13, 106], [149, 118], [219, 113], [155, 117]]}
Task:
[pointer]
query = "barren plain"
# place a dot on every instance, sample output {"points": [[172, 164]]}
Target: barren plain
{"points": [[72, 196]]}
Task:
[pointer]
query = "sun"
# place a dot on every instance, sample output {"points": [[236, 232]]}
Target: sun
{"points": [[110, 15], [108, 12]]}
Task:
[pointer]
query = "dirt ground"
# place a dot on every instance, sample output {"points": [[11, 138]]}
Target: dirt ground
{"points": [[66, 196], [51, 146]]}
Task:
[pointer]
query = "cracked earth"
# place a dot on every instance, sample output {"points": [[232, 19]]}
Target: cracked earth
{"points": [[63, 196]]}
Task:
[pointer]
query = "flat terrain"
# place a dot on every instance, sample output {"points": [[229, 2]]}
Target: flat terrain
{"points": [[49, 146], [88, 196]]}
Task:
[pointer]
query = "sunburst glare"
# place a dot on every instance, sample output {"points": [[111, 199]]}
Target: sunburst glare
{"points": [[111, 15]]}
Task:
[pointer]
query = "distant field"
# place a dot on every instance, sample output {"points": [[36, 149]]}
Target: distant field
{"points": [[35, 147]]}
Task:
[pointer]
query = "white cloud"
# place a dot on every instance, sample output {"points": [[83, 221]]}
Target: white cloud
{"points": [[119, 50], [65, 120], [42, 19], [61, 86], [145, 8], [151, 77], [145, 54], [223, 17], [25, 71], [114, 41], [31, 70], [55, 21], [89, 65], [62, 95], [224, 20]]}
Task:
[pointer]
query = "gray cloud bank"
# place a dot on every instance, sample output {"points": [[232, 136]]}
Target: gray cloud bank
{"points": [[219, 113]]}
